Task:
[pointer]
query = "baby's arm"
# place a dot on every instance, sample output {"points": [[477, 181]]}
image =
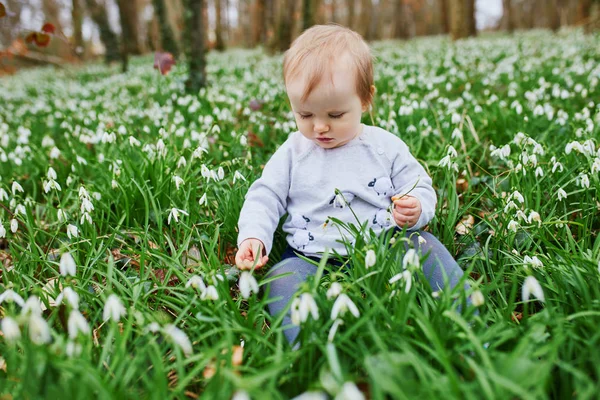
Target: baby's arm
{"points": [[411, 182], [265, 203]]}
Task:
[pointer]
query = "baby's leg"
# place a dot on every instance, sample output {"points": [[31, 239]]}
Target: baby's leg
{"points": [[439, 262], [282, 290]]}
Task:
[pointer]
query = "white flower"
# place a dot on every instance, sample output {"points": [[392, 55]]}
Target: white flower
{"points": [[67, 265], [71, 296], [10, 329], [62, 216], [411, 258], [76, 324], [584, 181], [72, 231], [533, 261], [333, 329], [477, 298], [341, 305], [532, 286], [220, 173], [406, 275], [39, 331], [51, 174], [534, 217], [178, 181], [134, 142], [14, 225], [370, 258], [561, 194], [539, 172], [334, 290], [456, 118], [179, 338], [2, 230], [237, 176], [11, 296], [210, 293], [451, 152], [32, 306], [302, 306], [3, 195], [456, 134], [196, 282], [113, 308], [247, 284], [513, 225], [174, 213], [517, 196], [16, 188], [349, 391], [240, 395], [73, 349], [312, 395], [202, 200], [181, 162]]}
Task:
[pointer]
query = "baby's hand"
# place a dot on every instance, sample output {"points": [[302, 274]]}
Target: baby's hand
{"points": [[407, 210], [250, 250]]}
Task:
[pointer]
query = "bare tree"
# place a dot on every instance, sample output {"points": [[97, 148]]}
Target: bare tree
{"points": [[77, 21], [285, 26], [220, 44], [260, 22], [459, 27], [351, 6], [470, 17], [444, 16], [195, 31], [308, 14], [167, 38], [109, 39], [508, 15], [400, 30], [365, 17]]}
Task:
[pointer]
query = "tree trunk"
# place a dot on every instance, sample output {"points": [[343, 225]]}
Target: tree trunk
{"points": [[508, 15], [365, 17], [107, 36], [77, 21], [220, 44], [128, 15], [196, 46], [593, 24], [260, 22], [444, 16], [334, 11], [286, 24], [458, 19], [167, 38], [470, 18], [400, 31], [308, 14], [554, 11], [351, 5]]}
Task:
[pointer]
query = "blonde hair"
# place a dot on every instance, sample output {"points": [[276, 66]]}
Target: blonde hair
{"points": [[313, 52]]}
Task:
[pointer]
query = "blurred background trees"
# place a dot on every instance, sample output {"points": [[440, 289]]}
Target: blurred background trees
{"points": [[116, 29]]}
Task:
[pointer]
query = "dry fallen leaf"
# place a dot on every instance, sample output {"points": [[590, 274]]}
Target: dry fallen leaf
{"points": [[462, 185], [236, 361], [466, 225]]}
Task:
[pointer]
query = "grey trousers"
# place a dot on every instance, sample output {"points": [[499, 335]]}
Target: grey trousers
{"points": [[438, 263]]}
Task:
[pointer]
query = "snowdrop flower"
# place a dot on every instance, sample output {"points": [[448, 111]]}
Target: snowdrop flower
{"points": [[370, 258], [70, 295], [457, 134], [16, 188], [196, 282], [72, 231], [333, 329], [334, 290], [533, 261], [20, 210], [534, 216], [202, 200], [584, 181], [301, 307], [411, 258], [349, 391], [51, 174], [39, 331], [181, 162], [3, 195], [76, 324], [32, 306], [73, 349], [221, 173], [311, 396], [2, 230], [240, 395], [174, 213], [477, 298], [341, 305], [517, 196], [456, 118], [513, 226], [210, 293], [10, 329], [67, 265], [134, 142], [247, 284], [113, 308], [11, 296], [237, 176], [532, 286], [179, 338], [446, 162], [561, 194], [406, 275], [539, 172], [14, 225], [178, 181], [62, 216]]}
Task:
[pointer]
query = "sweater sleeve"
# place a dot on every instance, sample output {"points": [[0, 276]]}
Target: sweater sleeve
{"points": [[266, 200], [408, 175]]}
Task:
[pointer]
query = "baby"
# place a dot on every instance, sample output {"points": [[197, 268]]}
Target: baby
{"points": [[334, 166]]}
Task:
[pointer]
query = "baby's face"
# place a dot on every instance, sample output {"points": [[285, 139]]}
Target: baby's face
{"points": [[331, 114]]}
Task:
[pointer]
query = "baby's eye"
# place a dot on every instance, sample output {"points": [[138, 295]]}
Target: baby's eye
{"points": [[336, 115], [305, 116]]}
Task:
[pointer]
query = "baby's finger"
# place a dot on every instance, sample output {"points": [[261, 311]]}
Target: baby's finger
{"points": [[406, 211], [409, 202]]}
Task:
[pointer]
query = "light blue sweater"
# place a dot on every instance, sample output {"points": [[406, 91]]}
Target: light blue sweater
{"points": [[301, 179]]}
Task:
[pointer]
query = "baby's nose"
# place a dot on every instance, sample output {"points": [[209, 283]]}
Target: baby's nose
{"points": [[321, 128]]}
